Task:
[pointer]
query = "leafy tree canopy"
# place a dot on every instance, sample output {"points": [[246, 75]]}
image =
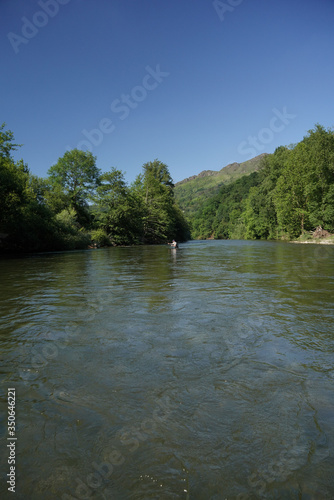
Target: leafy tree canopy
{"points": [[6, 142], [76, 172]]}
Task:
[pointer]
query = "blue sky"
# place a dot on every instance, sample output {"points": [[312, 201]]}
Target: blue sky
{"points": [[197, 84]]}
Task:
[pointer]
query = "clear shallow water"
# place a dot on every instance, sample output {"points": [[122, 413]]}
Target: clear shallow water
{"points": [[144, 373]]}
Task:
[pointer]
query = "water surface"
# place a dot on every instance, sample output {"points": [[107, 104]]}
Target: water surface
{"points": [[150, 373]]}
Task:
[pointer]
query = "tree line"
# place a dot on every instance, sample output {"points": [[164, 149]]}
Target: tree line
{"points": [[291, 194], [77, 205]]}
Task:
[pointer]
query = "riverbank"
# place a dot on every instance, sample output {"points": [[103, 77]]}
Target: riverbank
{"points": [[319, 236], [324, 241]]}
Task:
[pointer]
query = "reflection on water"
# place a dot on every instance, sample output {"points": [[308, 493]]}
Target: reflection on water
{"points": [[143, 373]]}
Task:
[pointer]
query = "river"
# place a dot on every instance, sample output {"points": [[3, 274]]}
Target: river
{"points": [[149, 373]]}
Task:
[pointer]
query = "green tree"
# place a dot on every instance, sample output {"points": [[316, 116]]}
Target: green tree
{"points": [[75, 177], [259, 215], [6, 142], [162, 219], [291, 195], [304, 195], [319, 146], [117, 211], [27, 223]]}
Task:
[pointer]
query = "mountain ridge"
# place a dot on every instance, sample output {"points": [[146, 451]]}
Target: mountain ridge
{"points": [[191, 192], [231, 166]]}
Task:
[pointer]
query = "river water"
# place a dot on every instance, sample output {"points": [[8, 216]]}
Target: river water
{"points": [[149, 373]]}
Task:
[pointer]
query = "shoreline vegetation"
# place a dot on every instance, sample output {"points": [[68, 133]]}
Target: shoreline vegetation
{"points": [[288, 195], [77, 206], [329, 240], [318, 236], [281, 196]]}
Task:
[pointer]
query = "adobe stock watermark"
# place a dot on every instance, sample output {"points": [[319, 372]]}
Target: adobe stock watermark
{"points": [[122, 107], [223, 7], [35, 359], [40, 19], [293, 456], [125, 443], [277, 124]]}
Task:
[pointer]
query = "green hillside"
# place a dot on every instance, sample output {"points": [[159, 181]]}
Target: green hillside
{"points": [[290, 195], [193, 191]]}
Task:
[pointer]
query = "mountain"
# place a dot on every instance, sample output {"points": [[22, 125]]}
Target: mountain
{"points": [[191, 192]]}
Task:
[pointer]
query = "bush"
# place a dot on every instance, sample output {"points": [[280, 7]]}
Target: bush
{"points": [[70, 235], [100, 237]]}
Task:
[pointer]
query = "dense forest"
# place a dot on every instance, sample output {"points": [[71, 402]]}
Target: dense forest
{"points": [[291, 194], [77, 205]]}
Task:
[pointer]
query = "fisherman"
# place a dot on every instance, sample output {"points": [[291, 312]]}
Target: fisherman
{"points": [[173, 244]]}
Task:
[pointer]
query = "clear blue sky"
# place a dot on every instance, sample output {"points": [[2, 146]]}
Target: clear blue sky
{"points": [[194, 85]]}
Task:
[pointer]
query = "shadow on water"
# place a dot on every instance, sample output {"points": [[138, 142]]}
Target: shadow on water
{"points": [[145, 372]]}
